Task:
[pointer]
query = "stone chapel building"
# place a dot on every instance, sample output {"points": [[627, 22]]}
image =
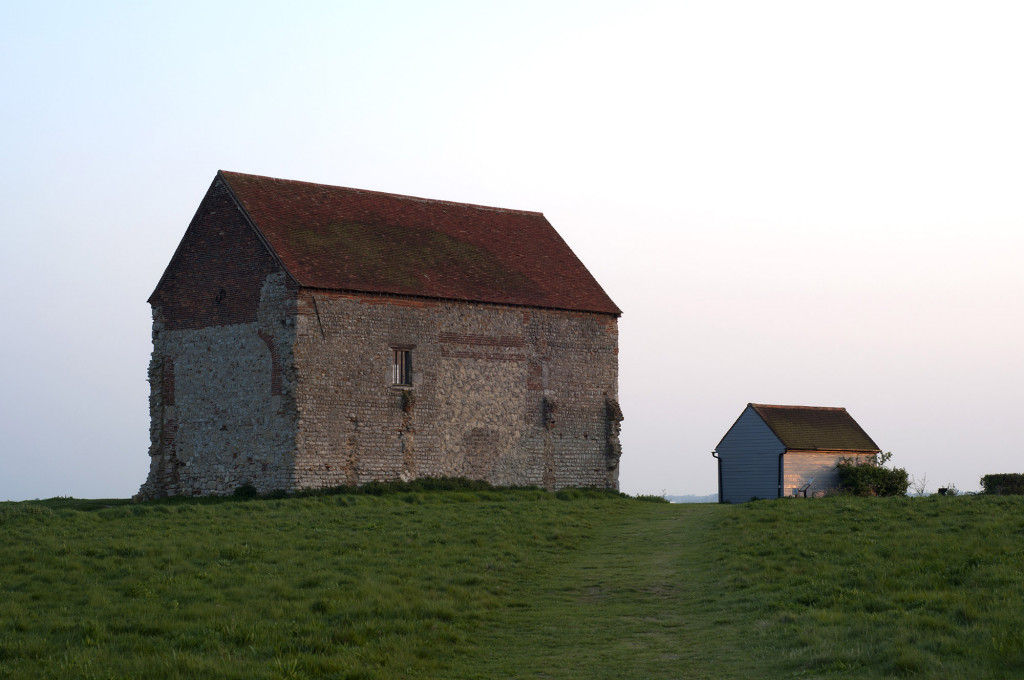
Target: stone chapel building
{"points": [[309, 336]]}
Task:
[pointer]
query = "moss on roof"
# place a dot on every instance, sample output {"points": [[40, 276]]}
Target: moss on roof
{"points": [[337, 238], [809, 428], [397, 259]]}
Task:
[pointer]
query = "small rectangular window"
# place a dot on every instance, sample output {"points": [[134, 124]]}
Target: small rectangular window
{"points": [[403, 367]]}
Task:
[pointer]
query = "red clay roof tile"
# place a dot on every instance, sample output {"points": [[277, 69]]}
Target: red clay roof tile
{"points": [[337, 238]]}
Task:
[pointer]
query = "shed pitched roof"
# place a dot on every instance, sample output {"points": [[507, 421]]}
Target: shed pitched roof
{"points": [[337, 238], [809, 428]]}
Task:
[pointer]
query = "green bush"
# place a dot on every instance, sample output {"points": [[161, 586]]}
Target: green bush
{"points": [[1005, 484], [651, 498], [872, 478]]}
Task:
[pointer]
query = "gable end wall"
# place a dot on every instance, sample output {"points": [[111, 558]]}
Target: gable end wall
{"points": [[222, 409], [217, 273], [749, 459]]}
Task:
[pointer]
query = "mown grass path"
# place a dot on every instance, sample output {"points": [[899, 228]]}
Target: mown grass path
{"points": [[634, 601]]}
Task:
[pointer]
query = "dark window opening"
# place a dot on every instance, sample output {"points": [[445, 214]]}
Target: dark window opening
{"points": [[402, 374]]}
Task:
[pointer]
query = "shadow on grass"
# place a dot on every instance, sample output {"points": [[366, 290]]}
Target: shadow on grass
{"points": [[247, 492]]}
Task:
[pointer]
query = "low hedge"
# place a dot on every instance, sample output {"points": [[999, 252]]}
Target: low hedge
{"points": [[1005, 484]]}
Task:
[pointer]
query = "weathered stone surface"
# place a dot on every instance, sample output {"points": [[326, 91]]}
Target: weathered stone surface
{"points": [[303, 397], [222, 409], [481, 374]]}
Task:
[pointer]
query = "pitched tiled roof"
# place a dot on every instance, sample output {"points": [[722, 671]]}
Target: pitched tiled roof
{"points": [[808, 428], [337, 238]]}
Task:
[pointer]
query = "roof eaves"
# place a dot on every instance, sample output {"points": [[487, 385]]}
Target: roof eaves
{"points": [[836, 449], [356, 291]]}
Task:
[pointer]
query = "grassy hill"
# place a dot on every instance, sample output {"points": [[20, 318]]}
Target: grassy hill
{"points": [[512, 584]]}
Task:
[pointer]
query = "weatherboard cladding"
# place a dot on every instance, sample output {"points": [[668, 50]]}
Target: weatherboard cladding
{"points": [[811, 428], [817, 468], [341, 239], [749, 459]]}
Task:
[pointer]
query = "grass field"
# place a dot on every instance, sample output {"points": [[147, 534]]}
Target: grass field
{"points": [[512, 584]]}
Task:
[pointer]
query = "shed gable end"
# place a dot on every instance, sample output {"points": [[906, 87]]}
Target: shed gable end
{"points": [[750, 433], [749, 459]]}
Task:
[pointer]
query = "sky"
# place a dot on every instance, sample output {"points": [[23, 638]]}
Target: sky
{"points": [[814, 203]]}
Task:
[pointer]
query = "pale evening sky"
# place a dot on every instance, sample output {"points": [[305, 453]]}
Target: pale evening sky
{"points": [[814, 203]]}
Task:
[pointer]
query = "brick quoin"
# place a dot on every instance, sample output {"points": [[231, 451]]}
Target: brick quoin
{"points": [[170, 432], [167, 381], [275, 363], [170, 428]]}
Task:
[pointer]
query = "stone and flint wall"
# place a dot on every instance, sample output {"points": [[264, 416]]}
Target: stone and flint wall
{"points": [[222, 407], [509, 395], [256, 381], [303, 397]]}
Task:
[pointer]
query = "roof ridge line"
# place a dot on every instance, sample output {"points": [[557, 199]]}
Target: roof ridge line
{"points": [[407, 197], [809, 408]]}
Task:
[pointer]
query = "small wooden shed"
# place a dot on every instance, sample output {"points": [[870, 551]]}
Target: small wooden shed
{"points": [[770, 451]]}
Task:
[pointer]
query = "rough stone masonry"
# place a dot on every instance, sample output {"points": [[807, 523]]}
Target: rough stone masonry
{"points": [[308, 336]]}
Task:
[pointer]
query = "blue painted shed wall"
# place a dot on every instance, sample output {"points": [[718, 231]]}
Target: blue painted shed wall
{"points": [[749, 456]]}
